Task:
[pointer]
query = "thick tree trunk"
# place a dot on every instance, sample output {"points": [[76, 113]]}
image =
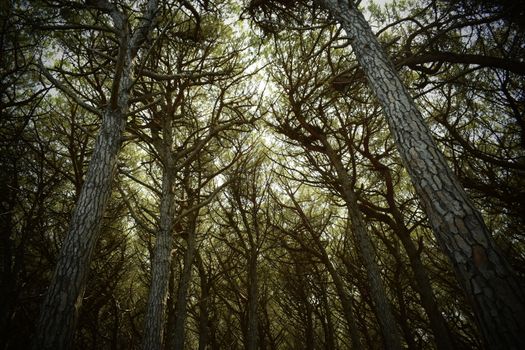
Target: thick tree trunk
{"points": [[154, 321], [61, 306], [486, 277]]}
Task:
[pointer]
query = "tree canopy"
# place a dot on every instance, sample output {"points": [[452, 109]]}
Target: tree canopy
{"points": [[264, 174]]}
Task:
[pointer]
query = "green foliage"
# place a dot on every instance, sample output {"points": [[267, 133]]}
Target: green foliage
{"points": [[240, 107]]}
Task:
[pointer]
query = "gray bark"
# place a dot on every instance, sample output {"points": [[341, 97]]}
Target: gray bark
{"points": [[60, 308], [484, 274], [154, 320], [160, 266]]}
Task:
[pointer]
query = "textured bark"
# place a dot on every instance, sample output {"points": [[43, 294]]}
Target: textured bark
{"points": [[64, 297], [60, 308], [158, 295], [154, 320], [484, 274]]}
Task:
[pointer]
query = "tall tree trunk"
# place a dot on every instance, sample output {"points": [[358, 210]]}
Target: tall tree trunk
{"points": [[484, 274], [309, 331], [428, 299], [9, 263], [182, 293], [154, 321], [325, 316], [367, 253], [382, 305], [252, 329], [422, 282], [61, 305], [204, 319], [345, 299], [358, 227], [346, 302], [161, 269]]}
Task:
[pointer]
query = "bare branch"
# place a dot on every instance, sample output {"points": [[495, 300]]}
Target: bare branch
{"points": [[69, 92]]}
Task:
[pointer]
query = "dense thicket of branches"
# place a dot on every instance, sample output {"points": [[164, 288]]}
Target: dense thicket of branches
{"points": [[216, 174]]}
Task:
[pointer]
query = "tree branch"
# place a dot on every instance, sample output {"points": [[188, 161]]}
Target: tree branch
{"points": [[69, 92]]}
